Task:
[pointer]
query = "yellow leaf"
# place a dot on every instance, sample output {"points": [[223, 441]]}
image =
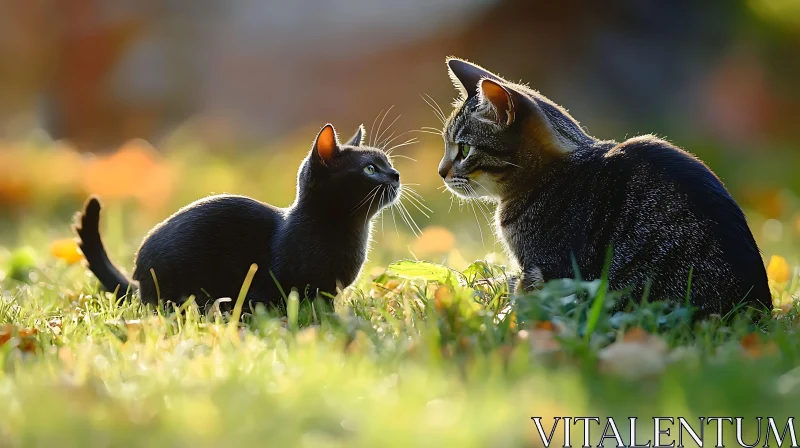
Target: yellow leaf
{"points": [[67, 250], [778, 269]]}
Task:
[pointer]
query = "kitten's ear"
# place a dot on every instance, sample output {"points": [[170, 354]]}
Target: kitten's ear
{"points": [[326, 145], [495, 97], [466, 75], [358, 138]]}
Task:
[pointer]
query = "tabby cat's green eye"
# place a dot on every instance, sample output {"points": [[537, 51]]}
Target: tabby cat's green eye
{"points": [[369, 169], [465, 149]]}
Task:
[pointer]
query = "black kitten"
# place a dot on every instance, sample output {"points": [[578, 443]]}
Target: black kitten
{"points": [[205, 249], [562, 193]]}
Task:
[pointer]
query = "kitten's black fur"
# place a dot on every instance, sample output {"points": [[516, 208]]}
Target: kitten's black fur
{"points": [[206, 248], [562, 193]]}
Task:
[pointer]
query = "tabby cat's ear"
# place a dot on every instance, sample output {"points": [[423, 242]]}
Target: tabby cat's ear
{"points": [[326, 145], [466, 75], [358, 138], [496, 98]]}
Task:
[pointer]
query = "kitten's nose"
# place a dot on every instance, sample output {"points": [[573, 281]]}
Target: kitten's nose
{"points": [[394, 175]]}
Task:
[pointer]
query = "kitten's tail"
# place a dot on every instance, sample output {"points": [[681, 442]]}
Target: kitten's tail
{"points": [[87, 226]]}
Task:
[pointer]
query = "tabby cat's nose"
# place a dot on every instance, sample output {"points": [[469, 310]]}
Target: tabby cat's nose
{"points": [[444, 168]]}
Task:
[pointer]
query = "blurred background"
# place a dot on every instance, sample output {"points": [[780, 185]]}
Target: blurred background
{"points": [[152, 104]]}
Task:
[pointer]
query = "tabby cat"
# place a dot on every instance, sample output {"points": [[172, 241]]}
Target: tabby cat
{"points": [[564, 197], [317, 244]]}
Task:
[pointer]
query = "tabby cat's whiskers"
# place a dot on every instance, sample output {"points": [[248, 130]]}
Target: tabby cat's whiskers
{"points": [[477, 221], [437, 111]]}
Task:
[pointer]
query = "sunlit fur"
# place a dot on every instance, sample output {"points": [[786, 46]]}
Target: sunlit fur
{"points": [[318, 244], [562, 193]]}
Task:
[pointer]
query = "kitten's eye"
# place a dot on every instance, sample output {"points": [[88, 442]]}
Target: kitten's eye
{"points": [[369, 169], [464, 149]]}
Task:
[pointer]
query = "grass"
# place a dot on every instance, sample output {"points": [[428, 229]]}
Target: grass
{"points": [[421, 355], [414, 354]]}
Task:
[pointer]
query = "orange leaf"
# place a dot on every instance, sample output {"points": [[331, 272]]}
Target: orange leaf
{"points": [[754, 348], [27, 342], [67, 250], [636, 334], [637, 355], [5, 333], [441, 298], [778, 269]]}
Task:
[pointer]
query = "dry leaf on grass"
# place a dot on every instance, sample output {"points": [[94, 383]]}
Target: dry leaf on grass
{"points": [[753, 347], [27, 337], [541, 338], [638, 354]]}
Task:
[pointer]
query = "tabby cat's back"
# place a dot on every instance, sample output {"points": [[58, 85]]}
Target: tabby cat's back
{"points": [[564, 195]]}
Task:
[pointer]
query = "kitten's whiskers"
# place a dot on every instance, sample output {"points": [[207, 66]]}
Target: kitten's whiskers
{"points": [[379, 133], [366, 218], [388, 140], [425, 131], [363, 201], [417, 204], [417, 198], [380, 202], [406, 215], [403, 157], [391, 208], [410, 141], [372, 136]]}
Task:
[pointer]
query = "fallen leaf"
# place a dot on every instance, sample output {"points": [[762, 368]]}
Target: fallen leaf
{"points": [[541, 339], [636, 334], [637, 355], [27, 337], [753, 347], [66, 249], [5, 333]]}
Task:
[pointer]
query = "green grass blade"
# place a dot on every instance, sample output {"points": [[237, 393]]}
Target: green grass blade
{"points": [[237, 308]]}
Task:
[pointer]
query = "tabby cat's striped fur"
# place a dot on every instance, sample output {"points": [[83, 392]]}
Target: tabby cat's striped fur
{"points": [[562, 193]]}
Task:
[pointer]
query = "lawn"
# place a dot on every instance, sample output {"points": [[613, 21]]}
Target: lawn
{"points": [[415, 354]]}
